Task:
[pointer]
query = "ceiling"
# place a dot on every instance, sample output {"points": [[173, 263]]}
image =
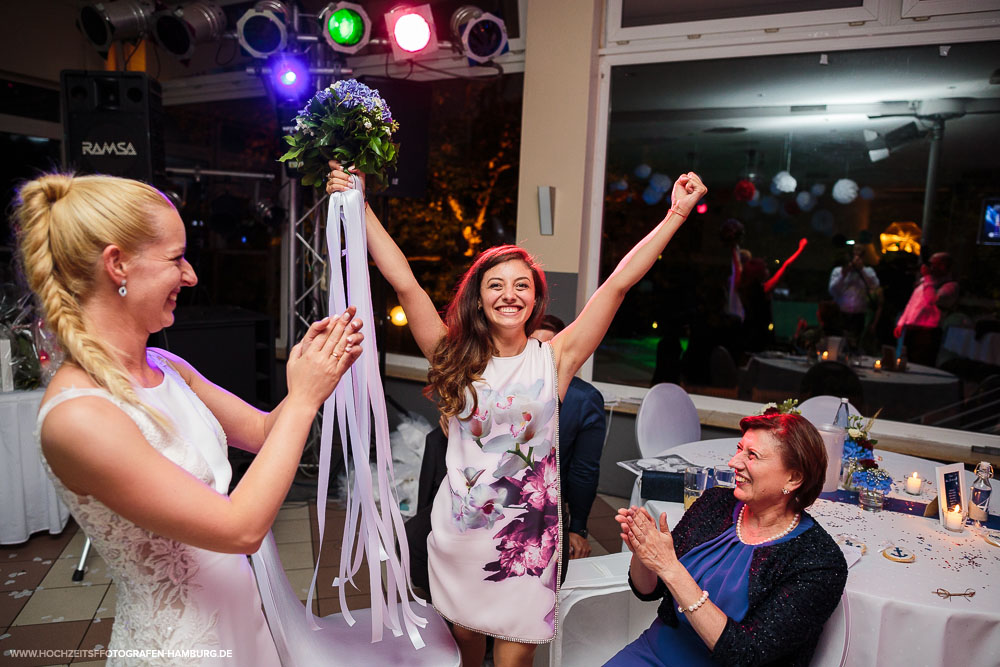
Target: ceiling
{"points": [[809, 111]]}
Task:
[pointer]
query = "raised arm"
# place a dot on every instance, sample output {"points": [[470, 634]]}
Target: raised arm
{"points": [[424, 320], [578, 341], [773, 282], [97, 450]]}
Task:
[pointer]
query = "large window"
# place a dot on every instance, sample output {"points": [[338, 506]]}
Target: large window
{"points": [[833, 148]]}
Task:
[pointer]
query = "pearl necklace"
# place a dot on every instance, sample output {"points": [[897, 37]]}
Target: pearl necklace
{"points": [[739, 529]]}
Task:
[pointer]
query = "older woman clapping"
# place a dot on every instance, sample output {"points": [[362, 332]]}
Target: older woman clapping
{"points": [[747, 577]]}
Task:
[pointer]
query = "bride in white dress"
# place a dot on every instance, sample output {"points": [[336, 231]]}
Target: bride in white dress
{"points": [[135, 438]]}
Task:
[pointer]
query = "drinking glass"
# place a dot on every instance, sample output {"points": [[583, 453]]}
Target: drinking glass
{"points": [[695, 482], [725, 476]]}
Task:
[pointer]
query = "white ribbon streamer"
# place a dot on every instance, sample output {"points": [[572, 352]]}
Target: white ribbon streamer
{"points": [[358, 398]]}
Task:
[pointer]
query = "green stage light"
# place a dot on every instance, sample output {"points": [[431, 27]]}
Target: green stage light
{"points": [[345, 26]]}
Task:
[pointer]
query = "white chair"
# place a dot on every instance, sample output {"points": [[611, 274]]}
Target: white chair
{"points": [[835, 641], [822, 409], [598, 613], [667, 418]]}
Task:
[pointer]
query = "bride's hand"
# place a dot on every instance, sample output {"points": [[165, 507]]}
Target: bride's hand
{"points": [[339, 179]]}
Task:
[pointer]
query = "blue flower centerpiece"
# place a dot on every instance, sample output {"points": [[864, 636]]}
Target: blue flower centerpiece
{"points": [[859, 444], [872, 483], [348, 122]]}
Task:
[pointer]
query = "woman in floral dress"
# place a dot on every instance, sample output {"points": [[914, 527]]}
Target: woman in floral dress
{"points": [[493, 551]]}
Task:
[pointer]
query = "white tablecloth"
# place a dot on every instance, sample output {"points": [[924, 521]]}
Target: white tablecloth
{"points": [[894, 617], [963, 343], [28, 501]]}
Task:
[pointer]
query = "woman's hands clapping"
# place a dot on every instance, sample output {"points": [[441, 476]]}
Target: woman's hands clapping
{"points": [[653, 547], [688, 191], [324, 354]]}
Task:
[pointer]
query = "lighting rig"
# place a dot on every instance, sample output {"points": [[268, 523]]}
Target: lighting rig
{"points": [[281, 38]]}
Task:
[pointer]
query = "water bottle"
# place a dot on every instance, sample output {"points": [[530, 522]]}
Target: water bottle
{"points": [[841, 418], [979, 499]]}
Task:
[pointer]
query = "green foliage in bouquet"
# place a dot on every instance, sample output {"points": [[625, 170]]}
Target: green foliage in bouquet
{"points": [[348, 122]]}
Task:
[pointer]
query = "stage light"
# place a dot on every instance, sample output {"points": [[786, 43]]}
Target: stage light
{"points": [[290, 75], [411, 31], [105, 22], [261, 30], [482, 35], [701, 208], [345, 27], [181, 28]]}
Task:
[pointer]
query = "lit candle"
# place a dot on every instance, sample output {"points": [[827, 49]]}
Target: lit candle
{"points": [[826, 355], [913, 484], [953, 518], [878, 365]]}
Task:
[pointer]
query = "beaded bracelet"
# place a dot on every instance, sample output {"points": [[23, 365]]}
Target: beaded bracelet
{"points": [[702, 600], [675, 211]]}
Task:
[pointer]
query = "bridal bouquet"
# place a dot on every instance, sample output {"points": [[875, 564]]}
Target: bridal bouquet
{"points": [[348, 122]]}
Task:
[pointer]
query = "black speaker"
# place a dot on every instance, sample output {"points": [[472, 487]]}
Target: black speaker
{"points": [[113, 124], [410, 104]]}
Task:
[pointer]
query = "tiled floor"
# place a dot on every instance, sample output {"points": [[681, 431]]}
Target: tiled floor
{"points": [[41, 607]]}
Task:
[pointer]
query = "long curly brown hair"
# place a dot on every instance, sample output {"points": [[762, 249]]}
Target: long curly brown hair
{"points": [[462, 354]]}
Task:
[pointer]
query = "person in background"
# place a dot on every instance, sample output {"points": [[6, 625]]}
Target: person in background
{"points": [[807, 338], [855, 288], [746, 577], [582, 429], [935, 294], [135, 439], [756, 285]]}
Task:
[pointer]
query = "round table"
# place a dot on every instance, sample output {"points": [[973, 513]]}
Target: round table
{"points": [[894, 616], [901, 395]]}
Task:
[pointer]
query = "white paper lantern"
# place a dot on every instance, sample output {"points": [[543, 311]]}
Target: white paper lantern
{"points": [[652, 195], [845, 191], [822, 221], [805, 200], [661, 182], [784, 182], [643, 171]]}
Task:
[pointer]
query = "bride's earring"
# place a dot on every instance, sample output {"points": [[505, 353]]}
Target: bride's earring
{"points": [[122, 291]]}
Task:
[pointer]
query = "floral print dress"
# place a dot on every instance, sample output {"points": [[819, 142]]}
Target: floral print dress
{"points": [[494, 547]]}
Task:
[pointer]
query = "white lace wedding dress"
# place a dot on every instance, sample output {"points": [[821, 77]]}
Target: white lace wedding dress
{"points": [[177, 604]]}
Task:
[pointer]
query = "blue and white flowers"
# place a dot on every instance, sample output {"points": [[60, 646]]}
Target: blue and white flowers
{"points": [[348, 122]]}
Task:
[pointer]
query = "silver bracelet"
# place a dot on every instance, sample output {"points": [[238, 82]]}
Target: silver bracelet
{"points": [[702, 600]]}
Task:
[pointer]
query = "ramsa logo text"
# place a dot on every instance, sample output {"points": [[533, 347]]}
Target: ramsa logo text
{"points": [[119, 148]]}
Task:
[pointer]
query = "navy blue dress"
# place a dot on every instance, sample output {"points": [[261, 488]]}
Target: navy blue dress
{"points": [[721, 566]]}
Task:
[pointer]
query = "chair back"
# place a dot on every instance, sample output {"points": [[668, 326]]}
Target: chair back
{"points": [[835, 640], [721, 368], [832, 378], [667, 418], [821, 410]]}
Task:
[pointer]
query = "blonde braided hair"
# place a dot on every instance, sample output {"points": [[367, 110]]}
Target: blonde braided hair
{"points": [[64, 222]]}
